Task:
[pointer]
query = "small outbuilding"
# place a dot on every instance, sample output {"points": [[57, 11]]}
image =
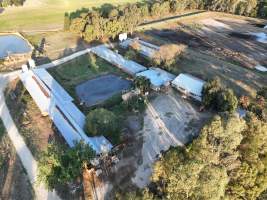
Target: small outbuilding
{"points": [[158, 77], [189, 85]]}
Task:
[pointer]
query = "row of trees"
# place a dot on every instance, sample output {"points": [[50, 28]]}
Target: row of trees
{"points": [[6, 3], [108, 21], [227, 161]]}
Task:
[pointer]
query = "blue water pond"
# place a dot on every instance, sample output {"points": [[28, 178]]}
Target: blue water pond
{"points": [[13, 44]]}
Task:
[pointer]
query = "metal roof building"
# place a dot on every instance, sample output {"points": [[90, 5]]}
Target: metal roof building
{"points": [[189, 85], [146, 49], [128, 66], [54, 101], [157, 77]]}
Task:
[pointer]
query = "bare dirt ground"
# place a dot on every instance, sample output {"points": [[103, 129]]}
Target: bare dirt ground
{"points": [[35, 129], [181, 121], [54, 45], [168, 121], [48, 46], [14, 183], [215, 51], [211, 32]]}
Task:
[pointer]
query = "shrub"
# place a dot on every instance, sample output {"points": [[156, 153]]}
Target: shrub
{"points": [[263, 92], [244, 101], [142, 83], [130, 54], [135, 45], [136, 103], [102, 122], [92, 62], [62, 166], [168, 55]]}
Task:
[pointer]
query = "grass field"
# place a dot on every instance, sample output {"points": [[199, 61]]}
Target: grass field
{"points": [[45, 14]]}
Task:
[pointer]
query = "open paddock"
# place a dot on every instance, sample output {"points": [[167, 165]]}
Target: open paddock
{"points": [[216, 48], [216, 34]]}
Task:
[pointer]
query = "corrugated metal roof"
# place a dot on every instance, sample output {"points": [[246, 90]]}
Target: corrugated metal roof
{"points": [[146, 48], [65, 115], [157, 77], [189, 83], [35, 91], [118, 60], [52, 84]]}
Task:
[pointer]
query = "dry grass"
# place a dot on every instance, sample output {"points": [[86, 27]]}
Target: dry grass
{"points": [[168, 54]]}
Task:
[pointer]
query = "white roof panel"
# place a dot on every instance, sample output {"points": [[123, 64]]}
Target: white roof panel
{"points": [[52, 85], [189, 83], [261, 68], [118, 60], [66, 116], [157, 77]]}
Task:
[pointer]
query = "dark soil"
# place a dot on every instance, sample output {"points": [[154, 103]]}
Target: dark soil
{"points": [[242, 36], [259, 25], [180, 36]]}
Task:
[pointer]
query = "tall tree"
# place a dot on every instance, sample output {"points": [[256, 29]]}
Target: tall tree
{"points": [[61, 166]]}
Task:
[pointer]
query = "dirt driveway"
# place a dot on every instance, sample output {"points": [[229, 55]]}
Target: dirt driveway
{"points": [[181, 121]]}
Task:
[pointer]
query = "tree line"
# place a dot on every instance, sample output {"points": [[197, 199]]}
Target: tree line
{"points": [[109, 20], [227, 161], [6, 3]]}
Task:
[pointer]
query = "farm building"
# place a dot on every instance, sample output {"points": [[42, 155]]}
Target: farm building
{"points": [[128, 66], [54, 101], [159, 78], [146, 49], [189, 85]]}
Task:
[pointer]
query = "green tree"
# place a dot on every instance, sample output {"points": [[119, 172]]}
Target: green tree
{"points": [[227, 161], [130, 54], [67, 22], [61, 166], [218, 97], [226, 100], [102, 122], [219, 140], [142, 83], [210, 91], [178, 6]]}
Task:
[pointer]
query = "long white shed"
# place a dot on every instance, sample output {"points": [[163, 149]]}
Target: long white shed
{"points": [[128, 66], [189, 85], [54, 101]]}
